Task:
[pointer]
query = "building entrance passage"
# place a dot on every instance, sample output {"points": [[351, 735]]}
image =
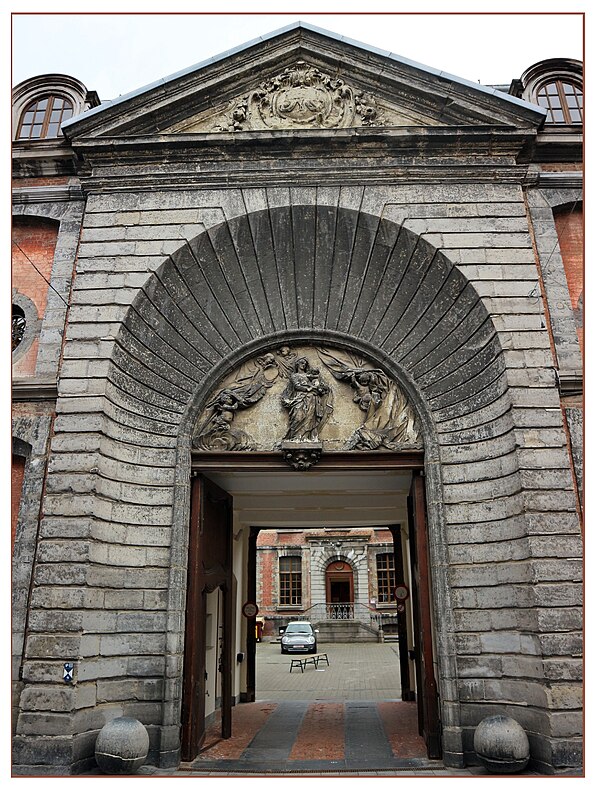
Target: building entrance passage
{"points": [[345, 716], [340, 590], [266, 712]]}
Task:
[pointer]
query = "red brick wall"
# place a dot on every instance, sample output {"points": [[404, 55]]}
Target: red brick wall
{"points": [[569, 227], [36, 238], [561, 166], [17, 475], [19, 182]]}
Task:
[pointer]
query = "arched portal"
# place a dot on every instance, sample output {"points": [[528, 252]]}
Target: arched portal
{"points": [[339, 588], [320, 275]]}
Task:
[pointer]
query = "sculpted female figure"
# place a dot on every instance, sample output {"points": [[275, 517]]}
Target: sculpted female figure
{"points": [[305, 398]]}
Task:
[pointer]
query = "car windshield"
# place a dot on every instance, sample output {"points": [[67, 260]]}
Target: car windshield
{"points": [[299, 627]]}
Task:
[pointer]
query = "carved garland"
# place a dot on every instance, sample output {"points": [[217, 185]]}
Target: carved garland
{"points": [[302, 96]]}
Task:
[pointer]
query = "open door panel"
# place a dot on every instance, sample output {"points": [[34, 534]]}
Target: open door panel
{"points": [[209, 568], [427, 693]]}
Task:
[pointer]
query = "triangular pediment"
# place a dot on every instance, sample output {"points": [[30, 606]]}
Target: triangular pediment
{"points": [[303, 97], [303, 78]]}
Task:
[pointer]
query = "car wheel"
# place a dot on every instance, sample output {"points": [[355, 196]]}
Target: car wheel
{"points": [[282, 651]]}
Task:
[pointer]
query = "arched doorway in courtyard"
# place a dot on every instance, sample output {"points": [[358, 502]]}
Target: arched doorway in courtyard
{"points": [[339, 587]]}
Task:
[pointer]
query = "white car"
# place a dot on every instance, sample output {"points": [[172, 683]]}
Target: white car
{"points": [[299, 637]]}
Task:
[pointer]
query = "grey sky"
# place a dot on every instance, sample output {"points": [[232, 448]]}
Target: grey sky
{"points": [[115, 54]]}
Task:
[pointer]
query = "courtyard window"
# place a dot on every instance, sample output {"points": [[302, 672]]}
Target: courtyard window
{"points": [[290, 580], [563, 100], [386, 576], [43, 117]]}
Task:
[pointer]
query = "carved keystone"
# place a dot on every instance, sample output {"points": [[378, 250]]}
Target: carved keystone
{"points": [[301, 455]]}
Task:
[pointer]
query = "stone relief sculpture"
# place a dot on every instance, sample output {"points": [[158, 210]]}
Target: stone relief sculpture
{"points": [[215, 432], [284, 402], [301, 96], [390, 421], [305, 399]]}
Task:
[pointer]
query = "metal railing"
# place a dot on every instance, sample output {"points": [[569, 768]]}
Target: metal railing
{"points": [[339, 611]]}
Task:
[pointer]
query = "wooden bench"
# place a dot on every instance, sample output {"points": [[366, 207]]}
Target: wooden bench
{"points": [[302, 663]]}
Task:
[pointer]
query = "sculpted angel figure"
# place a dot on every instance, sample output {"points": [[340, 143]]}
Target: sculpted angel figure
{"points": [[390, 421], [215, 432], [305, 399]]}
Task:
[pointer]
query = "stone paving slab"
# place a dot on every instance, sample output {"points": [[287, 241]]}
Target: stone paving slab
{"points": [[365, 671]]}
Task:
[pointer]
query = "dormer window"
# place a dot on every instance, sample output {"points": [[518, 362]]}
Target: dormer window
{"points": [[564, 101], [43, 117]]}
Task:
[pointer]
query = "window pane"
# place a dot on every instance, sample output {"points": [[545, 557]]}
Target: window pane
{"points": [[290, 580], [52, 130], [551, 88], [25, 131], [568, 88], [42, 104], [385, 577], [55, 116], [558, 115], [575, 116], [37, 131], [28, 117], [67, 113], [555, 102], [543, 100]]}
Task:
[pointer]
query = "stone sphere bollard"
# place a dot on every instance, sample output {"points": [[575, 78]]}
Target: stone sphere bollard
{"points": [[501, 744], [121, 746]]}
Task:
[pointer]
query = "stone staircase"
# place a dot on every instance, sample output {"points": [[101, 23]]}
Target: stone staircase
{"points": [[344, 631]]}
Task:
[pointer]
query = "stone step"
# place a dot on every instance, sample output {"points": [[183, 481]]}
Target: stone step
{"points": [[344, 631]]}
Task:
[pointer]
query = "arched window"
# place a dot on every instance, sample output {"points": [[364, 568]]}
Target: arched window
{"points": [[564, 101], [43, 117]]}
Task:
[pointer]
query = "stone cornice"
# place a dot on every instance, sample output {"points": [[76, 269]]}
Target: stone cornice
{"points": [[47, 193], [560, 179], [34, 390], [42, 159], [561, 143], [362, 155], [570, 383], [495, 139]]}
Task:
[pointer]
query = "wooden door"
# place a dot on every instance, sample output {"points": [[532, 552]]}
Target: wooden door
{"points": [[427, 694], [209, 567], [339, 583]]}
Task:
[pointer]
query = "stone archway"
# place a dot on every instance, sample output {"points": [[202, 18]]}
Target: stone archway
{"points": [[324, 275]]}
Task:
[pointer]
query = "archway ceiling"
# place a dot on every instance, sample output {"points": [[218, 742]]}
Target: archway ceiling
{"points": [[317, 499], [405, 93], [323, 269]]}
